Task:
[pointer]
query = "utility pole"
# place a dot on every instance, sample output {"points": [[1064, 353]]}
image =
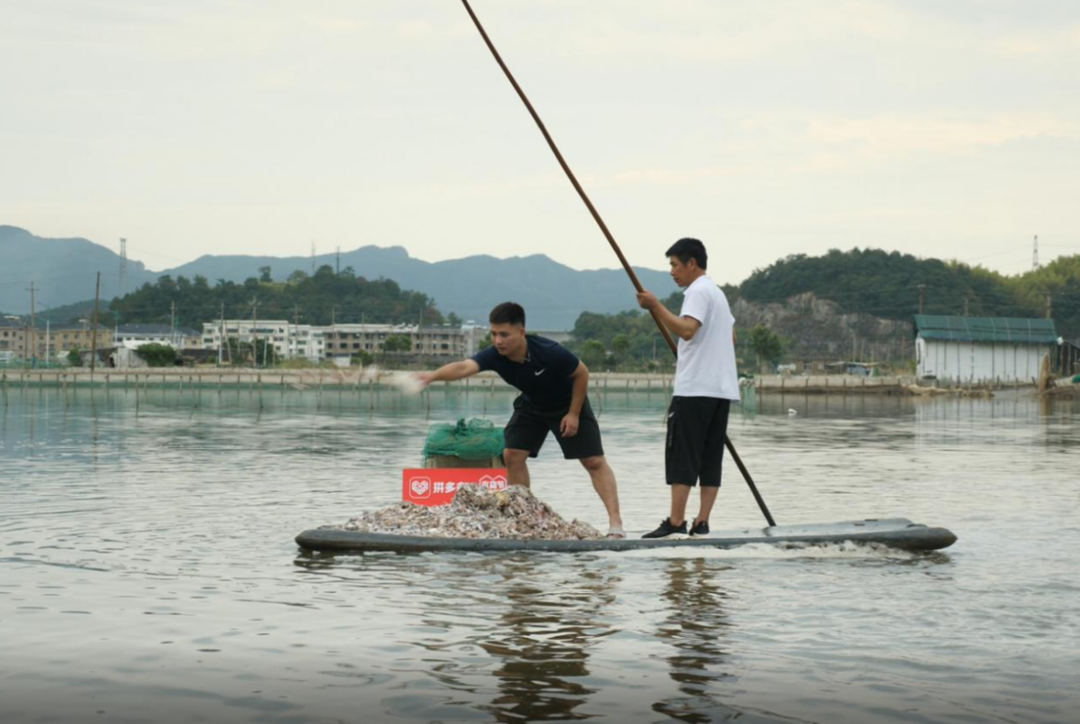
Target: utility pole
{"points": [[221, 338], [123, 268], [922, 297], [1035, 255], [93, 332], [420, 337], [27, 340], [296, 330], [1049, 305], [965, 306], [172, 323], [338, 262], [255, 331], [312, 257]]}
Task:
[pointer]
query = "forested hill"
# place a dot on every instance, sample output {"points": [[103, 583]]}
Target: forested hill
{"points": [[326, 297], [884, 284]]}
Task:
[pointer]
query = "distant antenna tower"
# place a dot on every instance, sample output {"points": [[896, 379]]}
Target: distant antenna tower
{"points": [[338, 262], [1035, 255], [123, 267]]}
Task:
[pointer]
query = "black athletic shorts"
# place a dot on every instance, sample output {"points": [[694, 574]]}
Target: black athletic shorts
{"points": [[696, 430], [529, 426]]}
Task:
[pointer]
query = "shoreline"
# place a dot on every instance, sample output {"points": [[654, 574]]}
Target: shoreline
{"points": [[358, 379]]}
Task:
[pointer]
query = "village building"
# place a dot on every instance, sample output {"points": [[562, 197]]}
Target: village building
{"points": [[22, 343], [982, 349], [340, 343], [67, 337], [134, 336]]}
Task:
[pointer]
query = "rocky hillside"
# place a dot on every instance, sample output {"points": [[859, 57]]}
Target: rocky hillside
{"points": [[820, 329]]}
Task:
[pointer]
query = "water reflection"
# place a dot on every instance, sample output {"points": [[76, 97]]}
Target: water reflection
{"points": [[543, 640], [695, 627], [183, 509]]}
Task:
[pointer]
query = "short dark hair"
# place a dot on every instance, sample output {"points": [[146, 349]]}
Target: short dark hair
{"points": [[508, 313], [686, 249]]}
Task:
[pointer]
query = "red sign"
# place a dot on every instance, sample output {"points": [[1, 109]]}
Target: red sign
{"points": [[438, 486]]}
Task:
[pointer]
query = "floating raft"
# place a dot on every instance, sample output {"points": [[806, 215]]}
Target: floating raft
{"points": [[894, 532]]}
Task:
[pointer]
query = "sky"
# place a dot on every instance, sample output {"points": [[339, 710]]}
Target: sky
{"points": [[939, 129]]}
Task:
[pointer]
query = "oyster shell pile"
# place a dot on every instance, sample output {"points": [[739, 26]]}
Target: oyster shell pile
{"points": [[476, 512]]}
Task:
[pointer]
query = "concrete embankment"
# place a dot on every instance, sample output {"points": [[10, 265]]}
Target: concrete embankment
{"points": [[298, 379], [304, 379], [832, 384]]}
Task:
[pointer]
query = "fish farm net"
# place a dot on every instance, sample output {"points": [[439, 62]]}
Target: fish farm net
{"points": [[473, 440]]}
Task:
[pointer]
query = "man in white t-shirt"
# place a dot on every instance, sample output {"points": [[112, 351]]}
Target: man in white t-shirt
{"points": [[706, 382]]}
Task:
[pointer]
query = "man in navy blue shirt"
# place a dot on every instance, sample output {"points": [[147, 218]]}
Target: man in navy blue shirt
{"points": [[553, 384]]}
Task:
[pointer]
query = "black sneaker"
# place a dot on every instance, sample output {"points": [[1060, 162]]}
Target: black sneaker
{"points": [[667, 529], [700, 529]]}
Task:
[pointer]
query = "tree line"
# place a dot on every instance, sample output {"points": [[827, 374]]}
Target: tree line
{"points": [[868, 281], [890, 285], [322, 298]]}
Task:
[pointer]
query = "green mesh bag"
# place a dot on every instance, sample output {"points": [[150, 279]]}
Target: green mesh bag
{"points": [[473, 440]]}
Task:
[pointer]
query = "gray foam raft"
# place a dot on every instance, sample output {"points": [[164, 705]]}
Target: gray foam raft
{"points": [[894, 532]]}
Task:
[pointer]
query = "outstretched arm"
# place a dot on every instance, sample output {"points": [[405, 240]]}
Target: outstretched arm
{"points": [[450, 372]]}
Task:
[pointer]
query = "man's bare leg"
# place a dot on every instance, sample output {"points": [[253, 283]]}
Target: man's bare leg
{"points": [[680, 494], [708, 498], [517, 469], [603, 481]]}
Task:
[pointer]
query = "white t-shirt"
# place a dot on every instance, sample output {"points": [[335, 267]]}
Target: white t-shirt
{"points": [[706, 366]]}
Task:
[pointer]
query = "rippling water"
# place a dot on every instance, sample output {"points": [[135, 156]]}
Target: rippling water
{"points": [[148, 572]]}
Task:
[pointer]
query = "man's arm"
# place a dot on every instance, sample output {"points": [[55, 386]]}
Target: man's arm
{"points": [[569, 425], [681, 327], [450, 372]]}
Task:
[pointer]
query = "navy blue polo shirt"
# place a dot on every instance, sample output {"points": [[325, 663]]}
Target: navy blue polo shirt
{"points": [[544, 376]]}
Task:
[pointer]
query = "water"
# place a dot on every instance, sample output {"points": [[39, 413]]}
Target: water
{"points": [[148, 572]]}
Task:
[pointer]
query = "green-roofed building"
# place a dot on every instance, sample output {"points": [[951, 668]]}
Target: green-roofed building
{"points": [[982, 349]]}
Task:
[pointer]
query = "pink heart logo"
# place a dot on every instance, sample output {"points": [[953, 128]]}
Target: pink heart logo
{"points": [[420, 487]]}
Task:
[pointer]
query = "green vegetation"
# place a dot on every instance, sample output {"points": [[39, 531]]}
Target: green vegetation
{"points": [[766, 344], [632, 338], [883, 284], [867, 281], [157, 355], [323, 298], [396, 343], [593, 354]]}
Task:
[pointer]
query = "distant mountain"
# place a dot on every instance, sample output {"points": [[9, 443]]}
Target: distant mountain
{"points": [[64, 271], [553, 294]]}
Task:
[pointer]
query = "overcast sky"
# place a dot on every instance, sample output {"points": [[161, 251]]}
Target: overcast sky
{"points": [[938, 128]]}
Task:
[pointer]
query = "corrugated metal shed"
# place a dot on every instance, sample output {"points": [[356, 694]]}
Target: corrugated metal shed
{"points": [[986, 329]]}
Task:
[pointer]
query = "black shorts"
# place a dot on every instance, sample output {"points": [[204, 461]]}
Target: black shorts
{"points": [[696, 430], [529, 426]]}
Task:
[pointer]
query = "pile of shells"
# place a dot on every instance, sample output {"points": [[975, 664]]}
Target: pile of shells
{"points": [[476, 512]]}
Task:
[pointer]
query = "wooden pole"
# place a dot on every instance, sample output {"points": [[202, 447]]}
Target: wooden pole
{"points": [[93, 332], [607, 234]]}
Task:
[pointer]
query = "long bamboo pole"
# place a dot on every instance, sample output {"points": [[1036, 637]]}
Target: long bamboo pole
{"points": [[607, 235]]}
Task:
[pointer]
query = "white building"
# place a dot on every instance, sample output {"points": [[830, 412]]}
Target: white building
{"points": [[132, 336], [341, 342], [274, 331], [981, 349], [436, 344]]}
